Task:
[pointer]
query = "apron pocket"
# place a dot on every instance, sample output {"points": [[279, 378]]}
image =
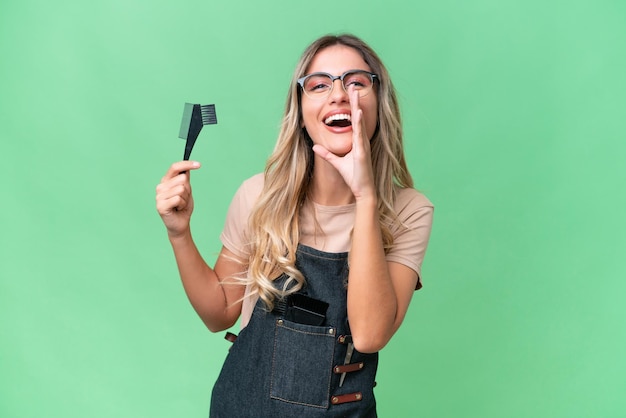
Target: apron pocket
{"points": [[302, 363]]}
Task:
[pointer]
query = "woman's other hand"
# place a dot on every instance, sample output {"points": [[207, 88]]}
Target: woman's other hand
{"points": [[174, 200]]}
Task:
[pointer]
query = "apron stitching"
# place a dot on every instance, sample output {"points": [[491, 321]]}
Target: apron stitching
{"points": [[321, 334], [300, 403], [273, 360]]}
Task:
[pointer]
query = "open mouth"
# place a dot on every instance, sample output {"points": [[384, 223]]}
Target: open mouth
{"points": [[340, 120]]}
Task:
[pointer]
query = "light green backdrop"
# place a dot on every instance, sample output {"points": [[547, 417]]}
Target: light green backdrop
{"points": [[514, 114]]}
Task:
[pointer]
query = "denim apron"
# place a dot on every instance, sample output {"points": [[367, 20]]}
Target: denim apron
{"points": [[281, 369]]}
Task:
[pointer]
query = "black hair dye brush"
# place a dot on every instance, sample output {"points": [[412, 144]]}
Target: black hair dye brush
{"points": [[195, 116]]}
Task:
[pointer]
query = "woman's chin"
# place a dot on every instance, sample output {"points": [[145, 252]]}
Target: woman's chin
{"points": [[340, 146], [341, 151]]}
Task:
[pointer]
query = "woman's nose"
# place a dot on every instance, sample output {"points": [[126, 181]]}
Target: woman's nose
{"points": [[338, 93]]}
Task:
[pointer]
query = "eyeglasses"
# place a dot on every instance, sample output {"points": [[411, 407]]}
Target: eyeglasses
{"points": [[318, 86]]}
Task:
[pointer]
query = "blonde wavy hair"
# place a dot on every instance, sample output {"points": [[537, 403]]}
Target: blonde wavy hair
{"points": [[274, 220]]}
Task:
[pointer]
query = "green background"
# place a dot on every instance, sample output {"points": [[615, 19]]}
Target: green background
{"points": [[515, 128]]}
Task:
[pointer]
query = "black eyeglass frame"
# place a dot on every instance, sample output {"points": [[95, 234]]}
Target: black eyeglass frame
{"points": [[333, 78]]}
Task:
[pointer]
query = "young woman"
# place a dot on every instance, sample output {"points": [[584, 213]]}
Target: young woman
{"points": [[321, 253]]}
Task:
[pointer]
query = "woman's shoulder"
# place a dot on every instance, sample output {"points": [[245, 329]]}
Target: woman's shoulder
{"points": [[254, 183], [246, 196], [408, 198], [251, 188]]}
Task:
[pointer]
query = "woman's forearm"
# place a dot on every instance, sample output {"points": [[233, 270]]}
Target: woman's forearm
{"points": [[372, 302], [210, 297]]}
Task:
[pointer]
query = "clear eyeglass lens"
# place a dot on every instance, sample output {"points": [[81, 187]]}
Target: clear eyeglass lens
{"points": [[320, 85], [317, 84], [358, 80]]}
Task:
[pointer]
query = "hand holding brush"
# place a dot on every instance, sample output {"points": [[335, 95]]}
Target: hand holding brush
{"points": [[174, 198]]}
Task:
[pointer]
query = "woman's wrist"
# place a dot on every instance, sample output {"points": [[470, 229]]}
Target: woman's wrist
{"points": [[367, 201], [178, 238]]}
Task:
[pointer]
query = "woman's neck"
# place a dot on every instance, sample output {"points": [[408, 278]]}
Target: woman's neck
{"points": [[327, 187]]}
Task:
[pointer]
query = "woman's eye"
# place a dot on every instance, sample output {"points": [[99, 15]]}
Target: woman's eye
{"points": [[318, 83], [318, 86], [356, 81]]}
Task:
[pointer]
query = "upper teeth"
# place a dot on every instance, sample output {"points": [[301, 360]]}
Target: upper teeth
{"points": [[338, 116]]}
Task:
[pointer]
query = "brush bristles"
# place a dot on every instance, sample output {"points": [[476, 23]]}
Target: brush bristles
{"points": [[209, 117]]}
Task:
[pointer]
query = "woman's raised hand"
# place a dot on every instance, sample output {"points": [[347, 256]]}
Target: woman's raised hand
{"points": [[174, 200], [356, 166]]}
